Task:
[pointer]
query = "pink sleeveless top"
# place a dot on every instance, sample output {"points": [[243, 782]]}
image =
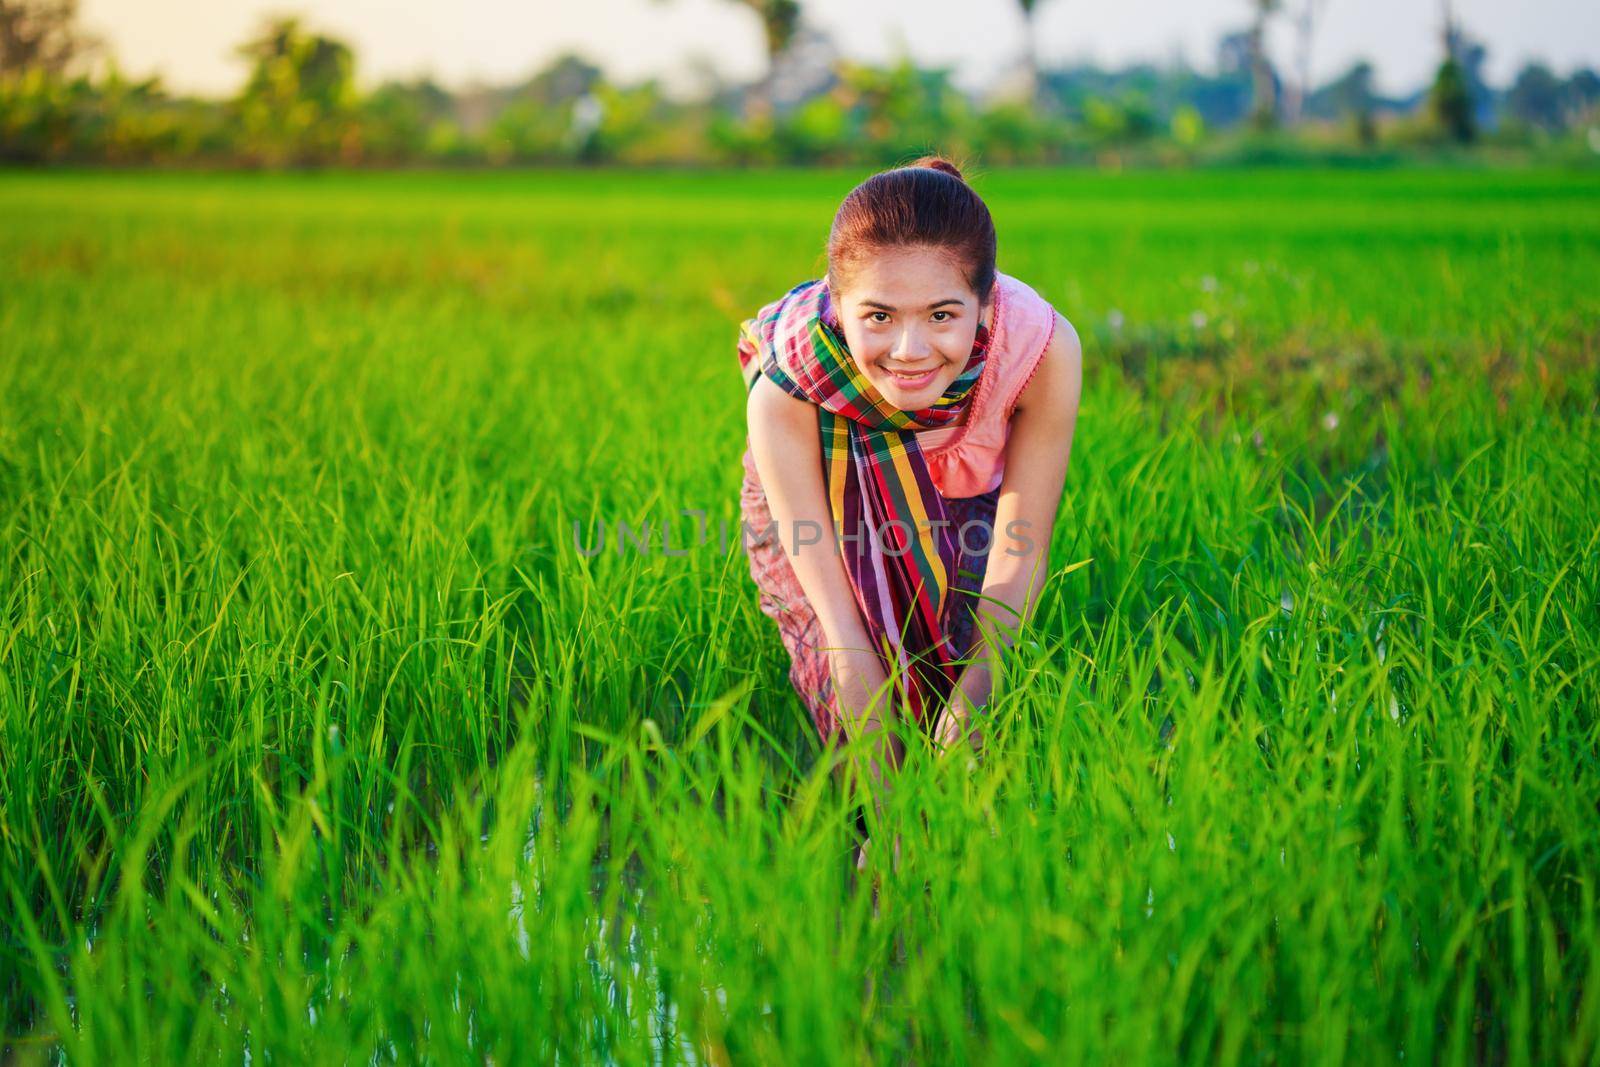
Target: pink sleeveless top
{"points": [[969, 459]]}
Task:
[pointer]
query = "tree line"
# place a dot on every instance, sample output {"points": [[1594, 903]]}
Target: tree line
{"points": [[300, 105]]}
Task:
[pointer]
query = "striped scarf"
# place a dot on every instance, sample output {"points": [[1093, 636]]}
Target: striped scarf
{"points": [[903, 564]]}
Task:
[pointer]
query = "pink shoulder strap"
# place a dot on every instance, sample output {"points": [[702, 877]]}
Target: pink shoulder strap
{"points": [[1028, 323]]}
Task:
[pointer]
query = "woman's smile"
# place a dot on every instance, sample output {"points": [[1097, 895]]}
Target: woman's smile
{"points": [[913, 382]]}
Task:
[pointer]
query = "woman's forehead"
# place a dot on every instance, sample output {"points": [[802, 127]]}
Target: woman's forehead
{"points": [[907, 280]]}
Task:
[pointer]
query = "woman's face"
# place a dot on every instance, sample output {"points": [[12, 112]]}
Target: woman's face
{"points": [[910, 319]]}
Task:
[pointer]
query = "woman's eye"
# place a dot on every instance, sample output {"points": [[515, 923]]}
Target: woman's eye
{"points": [[875, 315], [941, 313]]}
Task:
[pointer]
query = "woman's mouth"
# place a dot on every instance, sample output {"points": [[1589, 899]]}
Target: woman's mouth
{"points": [[912, 382]]}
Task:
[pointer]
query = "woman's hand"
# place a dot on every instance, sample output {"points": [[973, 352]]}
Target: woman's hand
{"points": [[959, 722], [958, 726], [860, 686], [862, 697], [894, 859]]}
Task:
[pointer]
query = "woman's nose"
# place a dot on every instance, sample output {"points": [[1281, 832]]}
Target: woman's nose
{"points": [[909, 347]]}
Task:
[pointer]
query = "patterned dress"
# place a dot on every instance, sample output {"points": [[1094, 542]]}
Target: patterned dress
{"points": [[785, 603]]}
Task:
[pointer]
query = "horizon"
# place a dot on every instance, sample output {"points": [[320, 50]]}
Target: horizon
{"points": [[189, 43]]}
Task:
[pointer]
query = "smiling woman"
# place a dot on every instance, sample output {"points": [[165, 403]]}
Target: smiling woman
{"points": [[920, 406]]}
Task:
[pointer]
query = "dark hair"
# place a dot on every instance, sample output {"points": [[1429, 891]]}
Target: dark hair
{"points": [[927, 202]]}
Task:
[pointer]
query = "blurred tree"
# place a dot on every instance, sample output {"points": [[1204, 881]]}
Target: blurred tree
{"points": [[1012, 132], [1030, 47], [1305, 25], [780, 21], [1473, 57], [623, 125], [538, 118], [1582, 98], [114, 123], [42, 35], [400, 119], [526, 131], [1585, 86], [1264, 80], [298, 105], [1225, 99], [1188, 126], [1450, 100], [1537, 98], [554, 115], [899, 110], [1119, 122], [1351, 95], [735, 139], [816, 131], [1450, 104], [37, 115], [49, 108], [565, 78]]}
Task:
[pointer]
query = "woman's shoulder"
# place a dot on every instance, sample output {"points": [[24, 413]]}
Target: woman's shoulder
{"points": [[1018, 293], [766, 401], [1056, 376], [1025, 320], [1027, 328]]}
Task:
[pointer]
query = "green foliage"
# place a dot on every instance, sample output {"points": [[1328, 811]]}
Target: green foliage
{"points": [[1450, 103], [299, 103], [779, 21], [399, 120], [819, 130], [42, 36], [1353, 97], [526, 131], [1010, 132], [899, 109], [114, 120], [300, 106], [1120, 122], [743, 140], [1188, 127], [1538, 99]]}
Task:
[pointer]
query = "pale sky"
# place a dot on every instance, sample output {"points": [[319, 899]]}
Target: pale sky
{"points": [[190, 42]]}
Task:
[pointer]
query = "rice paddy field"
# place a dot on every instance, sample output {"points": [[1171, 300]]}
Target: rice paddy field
{"points": [[325, 737]]}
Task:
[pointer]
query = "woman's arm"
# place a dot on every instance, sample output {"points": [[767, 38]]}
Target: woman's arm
{"points": [[786, 444], [1037, 450]]}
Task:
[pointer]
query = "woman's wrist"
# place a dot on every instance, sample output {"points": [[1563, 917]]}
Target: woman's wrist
{"points": [[958, 726], [859, 687], [858, 682], [845, 634]]}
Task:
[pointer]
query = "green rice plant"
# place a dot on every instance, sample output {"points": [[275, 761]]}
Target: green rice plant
{"points": [[327, 735]]}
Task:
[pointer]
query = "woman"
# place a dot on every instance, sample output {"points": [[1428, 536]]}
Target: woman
{"points": [[907, 412]]}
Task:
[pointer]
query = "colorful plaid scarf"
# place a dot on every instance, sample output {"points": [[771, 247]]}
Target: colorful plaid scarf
{"points": [[903, 563]]}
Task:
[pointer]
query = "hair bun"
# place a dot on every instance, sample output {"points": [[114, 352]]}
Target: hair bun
{"points": [[941, 164]]}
